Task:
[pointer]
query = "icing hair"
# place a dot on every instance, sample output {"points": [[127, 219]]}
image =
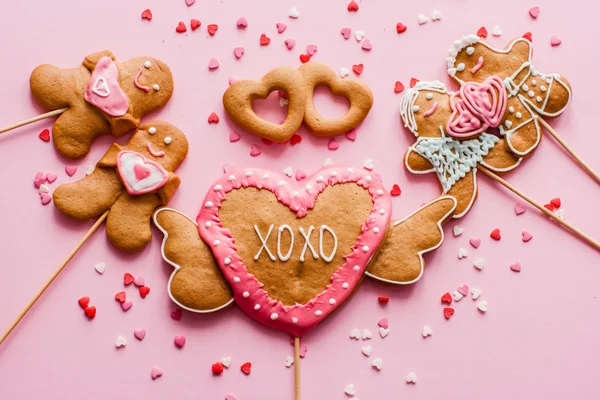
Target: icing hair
{"points": [[409, 98]]}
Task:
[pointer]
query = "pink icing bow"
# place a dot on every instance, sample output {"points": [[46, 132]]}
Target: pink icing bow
{"points": [[476, 107]]}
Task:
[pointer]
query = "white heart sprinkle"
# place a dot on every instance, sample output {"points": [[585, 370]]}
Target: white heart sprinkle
{"points": [[427, 331], [355, 334], [367, 334], [483, 306], [436, 16], [293, 13], [344, 72], [462, 253], [44, 188], [383, 332], [422, 19], [377, 363], [289, 361], [100, 268], [90, 169], [327, 162], [411, 378], [475, 293], [226, 361], [120, 342], [496, 31], [283, 102], [479, 264], [288, 171], [349, 390], [560, 213], [368, 164], [359, 35], [366, 350], [457, 230], [457, 295]]}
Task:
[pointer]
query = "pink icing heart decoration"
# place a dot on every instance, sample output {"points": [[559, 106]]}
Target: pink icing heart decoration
{"points": [[475, 242], [383, 323], [104, 91], [462, 123], [51, 177], [300, 175], [245, 209], [156, 372], [281, 27], [516, 266], [311, 49], [140, 334], [255, 150], [333, 144], [213, 63], [238, 52], [464, 290], [366, 45], [71, 169], [519, 209], [140, 175], [242, 22], [126, 305], [351, 135], [189, 2], [346, 32], [290, 43], [526, 236], [45, 198], [234, 136]]}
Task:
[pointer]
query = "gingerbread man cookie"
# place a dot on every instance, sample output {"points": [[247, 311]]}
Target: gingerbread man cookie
{"points": [[102, 96], [130, 181], [530, 94]]}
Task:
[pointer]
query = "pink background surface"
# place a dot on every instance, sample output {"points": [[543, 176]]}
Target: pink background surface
{"points": [[539, 338]]}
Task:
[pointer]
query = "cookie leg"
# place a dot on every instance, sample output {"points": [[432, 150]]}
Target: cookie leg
{"points": [[75, 130], [400, 259], [128, 223], [465, 192], [89, 197], [197, 283], [500, 158]]}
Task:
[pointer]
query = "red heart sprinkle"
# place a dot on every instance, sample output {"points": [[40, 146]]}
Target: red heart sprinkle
{"points": [[304, 58], [45, 135], [383, 299], [217, 368], [352, 6], [400, 27], [213, 118], [212, 29], [128, 279], [482, 32], [282, 94], [147, 14], [120, 297], [395, 190], [264, 40], [495, 234], [266, 141], [398, 87], [528, 36], [195, 24], [181, 27], [413, 82], [84, 302], [144, 290], [358, 68], [448, 312], [549, 207], [556, 202], [447, 298], [90, 312], [246, 368], [176, 314], [295, 139]]}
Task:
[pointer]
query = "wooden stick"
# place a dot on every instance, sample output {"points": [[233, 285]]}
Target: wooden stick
{"points": [[53, 277], [33, 119], [564, 144], [540, 207], [296, 366]]}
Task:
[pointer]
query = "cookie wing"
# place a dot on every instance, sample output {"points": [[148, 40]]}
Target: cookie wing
{"points": [[400, 259], [196, 284]]}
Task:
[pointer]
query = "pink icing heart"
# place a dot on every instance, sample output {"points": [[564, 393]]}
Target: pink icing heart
{"points": [[189, 2], [40, 177], [140, 175], [141, 172], [289, 43], [299, 197], [311, 49], [516, 266], [464, 290], [140, 334], [281, 27], [238, 52], [475, 242], [179, 341], [300, 175], [555, 40], [45, 198], [534, 12], [242, 22], [126, 305], [234, 136], [383, 322], [519, 209], [104, 90], [176, 314], [156, 372], [526, 236], [462, 122], [255, 150], [139, 281], [51, 177], [346, 32], [213, 63], [351, 135], [333, 144], [71, 169], [366, 45]]}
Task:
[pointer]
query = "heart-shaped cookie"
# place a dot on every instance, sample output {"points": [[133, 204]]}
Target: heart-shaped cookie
{"points": [[359, 95], [238, 99], [294, 251]]}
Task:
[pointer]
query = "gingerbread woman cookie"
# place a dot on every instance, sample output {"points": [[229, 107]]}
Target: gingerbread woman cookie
{"points": [[102, 96], [130, 181], [530, 94]]}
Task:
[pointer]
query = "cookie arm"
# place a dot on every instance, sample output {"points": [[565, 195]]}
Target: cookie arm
{"points": [[416, 163], [166, 192], [90, 61], [109, 159]]}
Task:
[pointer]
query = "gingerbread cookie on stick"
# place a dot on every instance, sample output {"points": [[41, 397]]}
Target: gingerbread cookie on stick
{"points": [[102, 96]]}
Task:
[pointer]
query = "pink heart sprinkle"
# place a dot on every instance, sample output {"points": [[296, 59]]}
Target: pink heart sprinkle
{"points": [[176, 315], [232, 80], [213, 63], [71, 169], [234, 136], [126, 305], [300, 175], [526, 236], [464, 289], [46, 198], [333, 144], [290, 43], [140, 334], [475, 242], [366, 45], [311, 49], [238, 52], [346, 32], [519, 208], [351, 135], [383, 322], [255, 150], [40, 177], [139, 281], [229, 396], [516, 266], [555, 40], [190, 2], [303, 350], [534, 12], [281, 27], [51, 177], [179, 341], [242, 22], [156, 372]]}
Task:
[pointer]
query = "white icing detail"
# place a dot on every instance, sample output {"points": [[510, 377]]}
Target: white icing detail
{"points": [[274, 316], [409, 98], [266, 176], [227, 261], [415, 109], [264, 243], [231, 177], [548, 81], [533, 82], [236, 279], [530, 93], [147, 64], [380, 192], [356, 268], [249, 173], [333, 174], [382, 211], [525, 88], [350, 170], [279, 232], [216, 242], [460, 67], [345, 285], [470, 50], [307, 243], [295, 194], [538, 99], [207, 224], [543, 88], [208, 204], [281, 183], [152, 130], [245, 295], [320, 179], [365, 248], [376, 230], [294, 320], [308, 187], [518, 115], [332, 301], [156, 87], [168, 140], [257, 307], [217, 188], [318, 313], [101, 90], [458, 45], [429, 96], [511, 109], [508, 124], [368, 178], [335, 243]]}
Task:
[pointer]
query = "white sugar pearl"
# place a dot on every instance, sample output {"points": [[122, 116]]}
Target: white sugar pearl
{"points": [[216, 242], [245, 295], [217, 188], [156, 87], [368, 178], [511, 109], [381, 211], [274, 316], [152, 130], [470, 50], [207, 224], [365, 248], [380, 192], [168, 140], [257, 307], [249, 173], [281, 183], [320, 179], [236, 279], [231, 177], [350, 170], [345, 285], [147, 64], [308, 188], [415, 108], [227, 261], [518, 115], [356, 268], [525, 88], [376, 230], [318, 313], [266, 176], [460, 67], [208, 204], [429, 96], [332, 301], [295, 320]]}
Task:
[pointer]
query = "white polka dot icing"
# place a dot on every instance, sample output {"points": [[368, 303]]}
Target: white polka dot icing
{"points": [[156, 87], [332, 301], [152, 130], [415, 108], [470, 50], [236, 279], [274, 316], [429, 96], [208, 204], [530, 93], [217, 188], [147, 64], [508, 124], [518, 115], [345, 285], [511, 109], [168, 140], [245, 295], [460, 67], [538, 99], [318, 313]]}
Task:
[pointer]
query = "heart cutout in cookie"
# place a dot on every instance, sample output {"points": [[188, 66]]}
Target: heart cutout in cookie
{"points": [[140, 175], [294, 251]]}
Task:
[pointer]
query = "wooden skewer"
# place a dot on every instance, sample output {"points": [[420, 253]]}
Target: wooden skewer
{"points": [[53, 277], [296, 366], [33, 119], [528, 199], [564, 144]]}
